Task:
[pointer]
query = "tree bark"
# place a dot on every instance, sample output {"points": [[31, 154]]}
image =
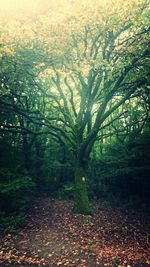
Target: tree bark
{"points": [[81, 204]]}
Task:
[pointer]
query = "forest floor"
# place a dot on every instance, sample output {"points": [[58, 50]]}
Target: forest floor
{"points": [[55, 236]]}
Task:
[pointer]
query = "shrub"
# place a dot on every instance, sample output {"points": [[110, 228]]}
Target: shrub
{"points": [[16, 190]]}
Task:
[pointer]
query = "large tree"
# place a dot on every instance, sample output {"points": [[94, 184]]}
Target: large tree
{"points": [[92, 63]]}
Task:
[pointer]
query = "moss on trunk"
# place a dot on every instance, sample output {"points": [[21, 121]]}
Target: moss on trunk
{"points": [[81, 193]]}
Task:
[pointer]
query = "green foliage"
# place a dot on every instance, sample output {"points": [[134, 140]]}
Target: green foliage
{"points": [[67, 191], [86, 79], [11, 222], [56, 169], [123, 171], [15, 190]]}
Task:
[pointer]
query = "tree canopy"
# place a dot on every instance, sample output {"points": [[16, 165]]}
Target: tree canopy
{"points": [[78, 73]]}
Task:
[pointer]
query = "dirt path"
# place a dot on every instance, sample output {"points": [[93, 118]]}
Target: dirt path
{"points": [[54, 236]]}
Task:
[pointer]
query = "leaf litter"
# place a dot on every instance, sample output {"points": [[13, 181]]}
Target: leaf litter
{"points": [[55, 236]]}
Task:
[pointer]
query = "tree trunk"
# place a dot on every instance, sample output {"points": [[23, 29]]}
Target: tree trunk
{"points": [[81, 193], [26, 152]]}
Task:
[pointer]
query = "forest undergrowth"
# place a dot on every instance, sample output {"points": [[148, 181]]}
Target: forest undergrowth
{"points": [[55, 236]]}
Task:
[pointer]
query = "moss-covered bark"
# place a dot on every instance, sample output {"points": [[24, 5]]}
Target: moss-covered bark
{"points": [[81, 193]]}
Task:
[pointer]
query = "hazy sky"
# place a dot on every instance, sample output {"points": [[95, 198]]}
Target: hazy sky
{"points": [[30, 8]]}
